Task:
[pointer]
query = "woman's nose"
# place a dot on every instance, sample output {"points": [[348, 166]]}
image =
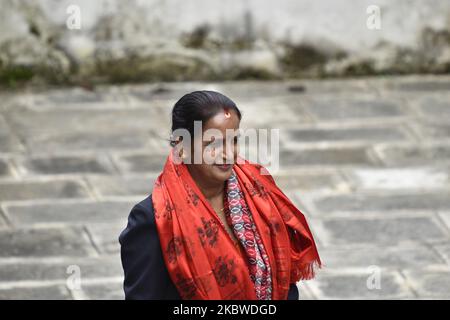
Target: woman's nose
{"points": [[229, 154]]}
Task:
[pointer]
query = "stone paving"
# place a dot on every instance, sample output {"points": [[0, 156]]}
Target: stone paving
{"points": [[366, 160]]}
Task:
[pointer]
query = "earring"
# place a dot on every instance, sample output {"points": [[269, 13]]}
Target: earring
{"points": [[182, 154]]}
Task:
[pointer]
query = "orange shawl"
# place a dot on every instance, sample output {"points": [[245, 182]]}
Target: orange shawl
{"points": [[182, 213]]}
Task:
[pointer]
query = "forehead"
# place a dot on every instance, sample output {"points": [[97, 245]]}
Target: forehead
{"points": [[223, 121]]}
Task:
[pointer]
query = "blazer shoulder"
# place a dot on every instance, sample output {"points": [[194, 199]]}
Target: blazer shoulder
{"points": [[143, 211], [145, 273], [146, 204], [141, 217]]}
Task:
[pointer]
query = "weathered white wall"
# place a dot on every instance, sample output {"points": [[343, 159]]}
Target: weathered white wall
{"points": [[151, 25], [341, 21]]}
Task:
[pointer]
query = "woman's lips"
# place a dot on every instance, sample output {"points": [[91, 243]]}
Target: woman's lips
{"points": [[223, 167]]}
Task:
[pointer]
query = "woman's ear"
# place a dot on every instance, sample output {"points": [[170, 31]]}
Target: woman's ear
{"points": [[178, 152], [181, 150]]}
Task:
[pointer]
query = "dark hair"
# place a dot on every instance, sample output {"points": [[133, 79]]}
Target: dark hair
{"points": [[199, 106]]}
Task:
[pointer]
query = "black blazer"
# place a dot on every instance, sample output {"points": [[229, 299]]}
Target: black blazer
{"points": [[146, 276]]}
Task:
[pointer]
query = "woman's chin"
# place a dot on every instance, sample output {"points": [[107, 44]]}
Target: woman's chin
{"points": [[223, 172]]}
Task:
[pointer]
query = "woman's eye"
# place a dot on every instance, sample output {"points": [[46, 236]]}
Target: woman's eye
{"points": [[214, 144]]}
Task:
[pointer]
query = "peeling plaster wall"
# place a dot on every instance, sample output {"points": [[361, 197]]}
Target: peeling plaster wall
{"points": [[264, 38]]}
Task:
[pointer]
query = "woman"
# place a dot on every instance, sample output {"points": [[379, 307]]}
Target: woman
{"points": [[218, 228]]}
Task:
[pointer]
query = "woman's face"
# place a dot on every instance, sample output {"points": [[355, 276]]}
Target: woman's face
{"points": [[219, 148]]}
